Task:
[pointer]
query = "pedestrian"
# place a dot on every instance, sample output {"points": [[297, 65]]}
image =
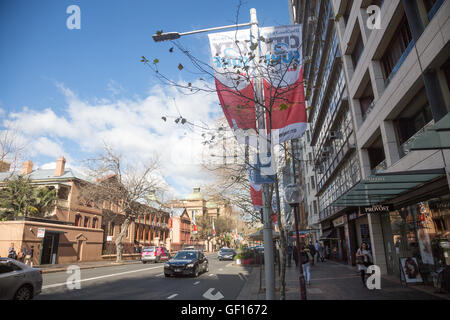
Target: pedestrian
{"points": [[12, 252], [306, 263], [321, 253], [289, 254], [363, 260], [316, 255], [312, 251], [29, 256], [295, 255]]}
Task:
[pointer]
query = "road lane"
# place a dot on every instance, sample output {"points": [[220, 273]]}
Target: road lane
{"points": [[138, 281]]}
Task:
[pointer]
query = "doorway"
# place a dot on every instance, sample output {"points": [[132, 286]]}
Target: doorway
{"points": [[50, 245]]}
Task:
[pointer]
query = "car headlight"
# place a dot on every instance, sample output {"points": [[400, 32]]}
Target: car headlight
{"points": [[190, 265], [166, 265]]}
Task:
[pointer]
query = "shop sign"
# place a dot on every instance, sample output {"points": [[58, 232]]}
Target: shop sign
{"points": [[40, 233], [377, 208], [109, 238], [352, 216], [339, 221], [439, 205]]}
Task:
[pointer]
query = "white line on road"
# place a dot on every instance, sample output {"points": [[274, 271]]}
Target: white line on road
{"points": [[172, 296], [196, 283], [95, 278]]}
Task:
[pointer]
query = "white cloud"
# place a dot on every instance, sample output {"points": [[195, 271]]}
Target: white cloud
{"points": [[131, 126]]}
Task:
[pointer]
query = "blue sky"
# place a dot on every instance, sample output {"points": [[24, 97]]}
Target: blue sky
{"points": [[66, 90]]}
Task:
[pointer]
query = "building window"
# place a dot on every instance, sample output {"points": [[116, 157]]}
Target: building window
{"points": [[63, 193], [111, 228], [313, 184], [86, 222], [78, 220], [95, 223], [358, 49], [367, 100], [397, 49]]}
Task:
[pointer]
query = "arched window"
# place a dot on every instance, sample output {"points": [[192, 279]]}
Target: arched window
{"points": [[78, 220], [86, 222]]}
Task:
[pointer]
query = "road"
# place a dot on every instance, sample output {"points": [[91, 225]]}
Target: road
{"points": [[139, 281]]}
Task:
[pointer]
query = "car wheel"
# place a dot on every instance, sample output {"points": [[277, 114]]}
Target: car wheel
{"points": [[144, 262], [24, 293], [167, 275], [196, 272], [207, 267]]}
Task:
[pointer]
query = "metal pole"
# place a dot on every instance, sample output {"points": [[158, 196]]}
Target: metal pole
{"points": [[301, 278], [267, 231]]}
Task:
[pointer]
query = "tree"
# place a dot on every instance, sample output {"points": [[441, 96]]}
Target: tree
{"points": [[12, 149], [127, 185], [19, 198]]}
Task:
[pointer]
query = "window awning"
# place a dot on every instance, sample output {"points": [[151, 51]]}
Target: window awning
{"points": [[436, 137], [381, 187]]}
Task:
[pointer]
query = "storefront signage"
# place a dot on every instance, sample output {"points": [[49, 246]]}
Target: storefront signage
{"points": [[439, 205], [109, 238], [377, 208], [339, 221], [40, 233]]}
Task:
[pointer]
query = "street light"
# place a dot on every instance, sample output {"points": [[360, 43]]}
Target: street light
{"points": [[294, 195], [259, 94]]}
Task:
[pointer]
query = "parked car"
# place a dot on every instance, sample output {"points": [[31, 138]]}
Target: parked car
{"points": [[19, 281], [186, 262], [154, 254], [226, 254]]}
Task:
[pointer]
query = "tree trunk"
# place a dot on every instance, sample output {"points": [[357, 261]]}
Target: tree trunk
{"points": [[282, 244], [119, 239]]}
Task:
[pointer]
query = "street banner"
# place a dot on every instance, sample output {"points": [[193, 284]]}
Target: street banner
{"points": [[234, 87], [284, 93], [194, 224], [213, 228], [281, 69], [256, 195]]}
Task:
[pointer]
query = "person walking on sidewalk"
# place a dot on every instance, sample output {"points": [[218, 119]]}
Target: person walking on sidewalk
{"points": [[363, 260], [312, 252], [289, 254], [12, 252], [29, 256], [321, 253], [295, 255], [306, 262], [316, 255]]}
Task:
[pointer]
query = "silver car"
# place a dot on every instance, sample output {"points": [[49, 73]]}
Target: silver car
{"points": [[18, 281]]}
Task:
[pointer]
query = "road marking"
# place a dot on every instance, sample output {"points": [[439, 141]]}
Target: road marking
{"points": [[172, 296], [95, 278], [242, 277], [196, 283], [208, 295]]}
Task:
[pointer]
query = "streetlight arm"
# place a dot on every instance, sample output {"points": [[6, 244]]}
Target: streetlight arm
{"points": [[177, 35]]}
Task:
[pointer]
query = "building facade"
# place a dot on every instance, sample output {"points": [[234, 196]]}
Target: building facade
{"points": [[377, 185]]}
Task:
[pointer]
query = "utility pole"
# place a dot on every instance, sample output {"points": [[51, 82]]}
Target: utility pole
{"points": [[260, 112]]}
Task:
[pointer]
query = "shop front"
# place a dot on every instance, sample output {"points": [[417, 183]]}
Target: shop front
{"points": [[335, 240], [416, 240]]}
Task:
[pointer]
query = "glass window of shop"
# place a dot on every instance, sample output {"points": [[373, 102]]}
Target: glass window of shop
{"points": [[420, 231]]}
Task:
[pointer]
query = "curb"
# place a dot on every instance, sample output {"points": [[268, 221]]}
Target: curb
{"points": [[53, 270], [250, 288]]}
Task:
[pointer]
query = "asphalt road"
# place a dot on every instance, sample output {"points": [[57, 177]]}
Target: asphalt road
{"points": [[147, 282]]}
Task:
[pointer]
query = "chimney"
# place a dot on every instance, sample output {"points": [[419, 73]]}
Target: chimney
{"points": [[27, 167], [4, 166], [60, 166]]}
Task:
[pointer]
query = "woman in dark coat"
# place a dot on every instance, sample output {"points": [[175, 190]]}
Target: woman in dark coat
{"points": [[295, 255]]}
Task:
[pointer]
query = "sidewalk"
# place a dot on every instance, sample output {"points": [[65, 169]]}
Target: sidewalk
{"points": [[49, 268], [334, 281]]}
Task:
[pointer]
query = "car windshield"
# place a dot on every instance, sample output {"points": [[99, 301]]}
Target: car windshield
{"points": [[186, 255], [227, 250], [148, 249]]}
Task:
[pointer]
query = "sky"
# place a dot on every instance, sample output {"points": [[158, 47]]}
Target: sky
{"points": [[68, 91]]}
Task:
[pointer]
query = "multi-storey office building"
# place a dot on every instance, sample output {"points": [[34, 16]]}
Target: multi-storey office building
{"points": [[398, 76], [330, 134], [398, 73]]}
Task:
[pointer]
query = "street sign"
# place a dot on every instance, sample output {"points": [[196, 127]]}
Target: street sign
{"points": [[40, 233], [109, 238]]}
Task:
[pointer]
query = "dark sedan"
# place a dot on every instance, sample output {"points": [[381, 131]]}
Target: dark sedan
{"points": [[186, 262]]}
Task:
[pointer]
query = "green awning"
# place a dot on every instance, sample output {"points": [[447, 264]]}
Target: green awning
{"points": [[436, 137], [381, 187]]}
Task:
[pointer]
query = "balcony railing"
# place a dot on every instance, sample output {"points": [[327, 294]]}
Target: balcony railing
{"points": [[405, 148]]}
